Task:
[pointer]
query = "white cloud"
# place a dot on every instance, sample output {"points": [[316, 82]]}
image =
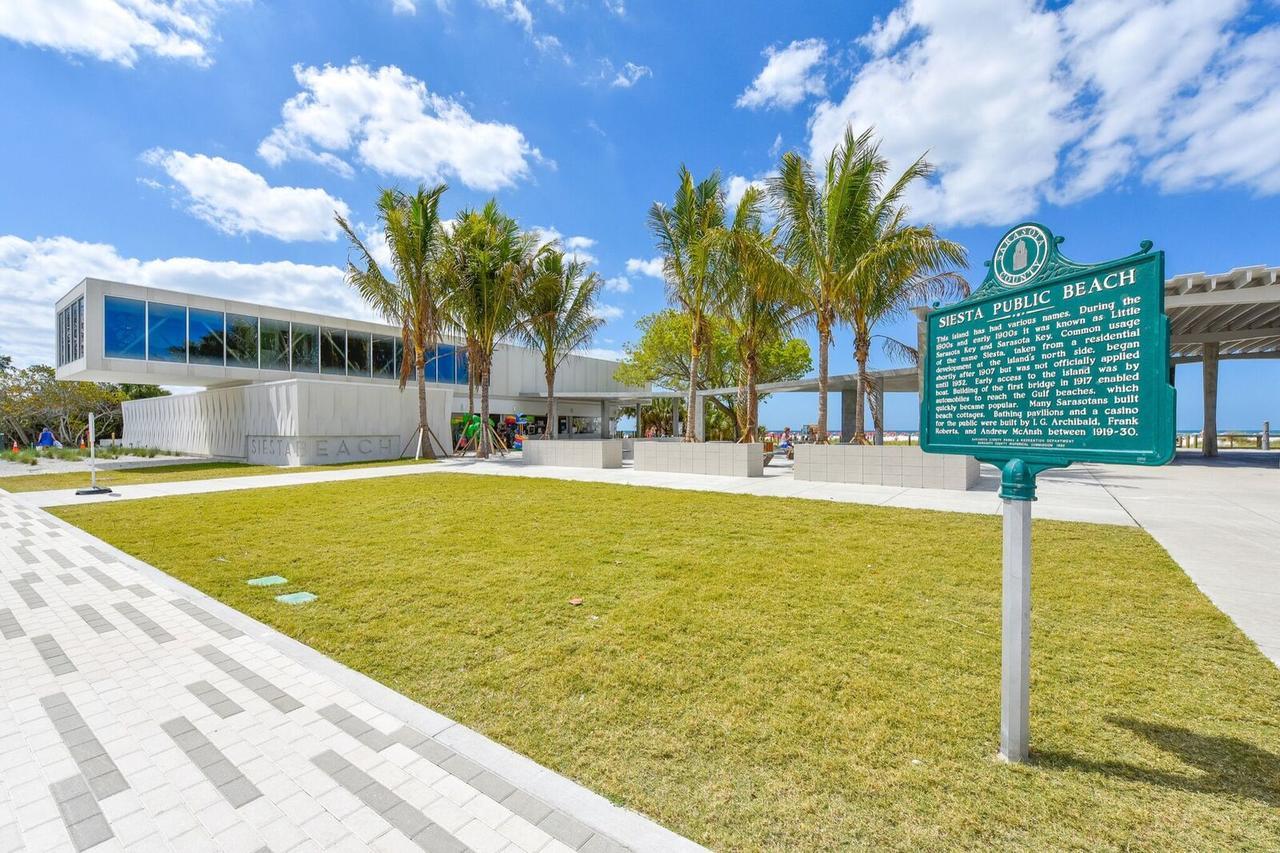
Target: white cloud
{"points": [[608, 312], [736, 188], [630, 75], [404, 7], [394, 125], [513, 10], [237, 201], [617, 7], [776, 148], [577, 246], [1076, 100], [651, 267], [114, 30], [617, 284], [35, 273], [602, 352], [790, 75]]}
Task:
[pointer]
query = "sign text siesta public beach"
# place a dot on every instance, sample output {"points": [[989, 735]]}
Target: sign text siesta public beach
{"points": [[1069, 365]]}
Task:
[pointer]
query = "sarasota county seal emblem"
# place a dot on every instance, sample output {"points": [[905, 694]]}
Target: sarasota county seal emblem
{"points": [[1021, 255]]}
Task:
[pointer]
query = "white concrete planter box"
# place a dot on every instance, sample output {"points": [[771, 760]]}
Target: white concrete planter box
{"points": [[884, 466], [574, 452], [723, 458]]}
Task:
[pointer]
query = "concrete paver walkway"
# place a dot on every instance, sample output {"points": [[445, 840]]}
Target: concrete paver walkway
{"points": [[138, 714]]}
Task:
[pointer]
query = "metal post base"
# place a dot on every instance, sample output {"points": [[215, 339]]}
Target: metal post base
{"points": [[1015, 631]]}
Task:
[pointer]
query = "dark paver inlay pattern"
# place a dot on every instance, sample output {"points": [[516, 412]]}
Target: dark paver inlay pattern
{"points": [[225, 776], [80, 812], [207, 619], [424, 832], [86, 750], [278, 699], [148, 625], [53, 654]]}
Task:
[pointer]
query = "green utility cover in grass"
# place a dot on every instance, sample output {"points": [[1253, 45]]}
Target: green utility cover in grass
{"points": [[269, 580], [296, 598]]}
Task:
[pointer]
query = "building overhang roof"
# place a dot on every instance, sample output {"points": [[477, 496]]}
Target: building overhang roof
{"points": [[1237, 310]]}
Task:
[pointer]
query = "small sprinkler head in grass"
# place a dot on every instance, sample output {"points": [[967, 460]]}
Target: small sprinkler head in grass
{"points": [[575, 601]]}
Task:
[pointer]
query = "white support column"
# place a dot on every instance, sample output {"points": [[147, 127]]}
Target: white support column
{"points": [[848, 398], [604, 420], [675, 418], [1210, 399], [1015, 630], [700, 418]]}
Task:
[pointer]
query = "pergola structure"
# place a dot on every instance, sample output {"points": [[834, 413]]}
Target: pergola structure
{"points": [[1232, 315]]}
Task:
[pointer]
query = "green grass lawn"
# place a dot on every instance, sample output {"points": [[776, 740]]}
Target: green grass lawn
{"points": [[167, 474], [760, 673]]}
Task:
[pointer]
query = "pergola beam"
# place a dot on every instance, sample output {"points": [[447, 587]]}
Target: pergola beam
{"points": [[1232, 296], [1224, 337]]}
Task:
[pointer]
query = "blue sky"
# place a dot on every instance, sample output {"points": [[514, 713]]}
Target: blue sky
{"points": [[203, 145]]}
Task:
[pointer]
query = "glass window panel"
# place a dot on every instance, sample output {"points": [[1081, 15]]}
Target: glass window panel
{"points": [[79, 351], [384, 357], [274, 336], [333, 351], [205, 336], [306, 349], [166, 332], [62, 333], [444, 363], [464, 366], [429, 366], [357, 354], [124, 328], [242, 340]]}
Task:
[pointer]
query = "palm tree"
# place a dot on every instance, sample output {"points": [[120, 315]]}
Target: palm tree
{"points": [[903, 265], [761, 304], [822, 226], [411, 298], [686, 235], [490, 262], [556, 315]]}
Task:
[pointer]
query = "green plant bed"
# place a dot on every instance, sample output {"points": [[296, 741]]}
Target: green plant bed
{"points": [[168, 474], [766, 674]]}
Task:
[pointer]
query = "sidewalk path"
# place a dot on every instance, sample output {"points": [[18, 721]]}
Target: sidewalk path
{"points": [[1068, 495], [1220, 522], [139, 714]]}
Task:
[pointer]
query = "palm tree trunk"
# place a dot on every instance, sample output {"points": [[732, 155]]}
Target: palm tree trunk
{"points": [[553, 425], [824, 346], [694, 353], [753, 401], [424, 446], [471, 381], [861, 349], [485, 446], [877, 414]]}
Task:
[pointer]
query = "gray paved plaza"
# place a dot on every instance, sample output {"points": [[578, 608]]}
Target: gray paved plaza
{"points": [[136, 714]]}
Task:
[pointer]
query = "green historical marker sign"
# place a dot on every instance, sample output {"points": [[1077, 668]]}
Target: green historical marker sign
{"points": [[1049, 362], [1052, 362]]}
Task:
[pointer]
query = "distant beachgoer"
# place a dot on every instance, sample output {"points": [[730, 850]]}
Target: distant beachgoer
{"points": [[46, 438]]}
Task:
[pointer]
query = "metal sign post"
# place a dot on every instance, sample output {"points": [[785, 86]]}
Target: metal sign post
{"points": [[94, 488], [1048, 363]]}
